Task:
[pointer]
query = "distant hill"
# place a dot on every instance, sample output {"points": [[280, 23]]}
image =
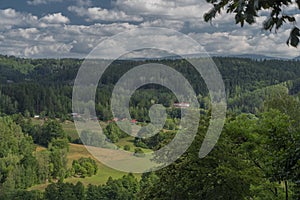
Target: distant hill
{"points": [[165, 56], [297, 58], [257, 57]]}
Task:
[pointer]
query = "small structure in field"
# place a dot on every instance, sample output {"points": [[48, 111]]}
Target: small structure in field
{"points": [[133, 121], [115, 119], [36, 116], [75, 115], [181, 105]]}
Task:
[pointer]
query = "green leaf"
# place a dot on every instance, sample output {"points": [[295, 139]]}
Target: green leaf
{"points": [[268, 24], [279, 23], [207, 17], [294, 41], [298, 3], [291, 19], [294, 37]]}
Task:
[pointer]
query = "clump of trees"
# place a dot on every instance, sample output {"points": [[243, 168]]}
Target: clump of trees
{"points": [[139, 152], [114, 133], [62, 190], [45, 88], [155, 142], [248, 11], [84, 167], [124, 188], [22, 167], [257, 157]]}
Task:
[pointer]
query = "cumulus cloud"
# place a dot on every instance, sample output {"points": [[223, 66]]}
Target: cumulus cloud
{"points": [[55, 18], [241, 41], [10, 17], [39, 2], [173, 24], [100, 14], [61, 34], [175, 9]]}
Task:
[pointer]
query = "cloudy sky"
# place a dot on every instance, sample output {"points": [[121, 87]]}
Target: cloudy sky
{"points": [[72, 28]]}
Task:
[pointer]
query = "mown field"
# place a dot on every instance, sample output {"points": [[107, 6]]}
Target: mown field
{"points": [[77, 151]]}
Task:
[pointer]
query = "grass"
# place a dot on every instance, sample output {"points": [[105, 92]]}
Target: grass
{"points": [[130, 142], [40, 148], [104, 172], [70, 129], [37, 121], [77, 151]]}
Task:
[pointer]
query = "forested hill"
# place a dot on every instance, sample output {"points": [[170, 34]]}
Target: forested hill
{"points": [[256, 157], [45, 85], [246, 73]]}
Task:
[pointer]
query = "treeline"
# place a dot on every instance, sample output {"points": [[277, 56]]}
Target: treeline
{"points": [[257, 157], [44, 86], [125, 188], [22, 166]]}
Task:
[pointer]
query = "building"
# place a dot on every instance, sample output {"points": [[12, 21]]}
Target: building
{"points": [[181, 105], [133, 121]]}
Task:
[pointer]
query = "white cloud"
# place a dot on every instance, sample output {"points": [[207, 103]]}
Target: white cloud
{"points": [[175, 9], [9, 18], [100, 14], [173, 24], [39, 2], [35, 50], [55, 18], [246, 41], [54, 35]]}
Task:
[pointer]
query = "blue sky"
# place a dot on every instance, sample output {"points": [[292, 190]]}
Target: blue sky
{"points": [[72, 28]]}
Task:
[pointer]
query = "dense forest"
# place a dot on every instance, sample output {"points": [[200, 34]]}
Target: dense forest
{"points": [[257, 156], [44, 86]]}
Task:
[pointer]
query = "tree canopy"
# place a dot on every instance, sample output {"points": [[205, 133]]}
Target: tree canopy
{"points": [[246, 11]]}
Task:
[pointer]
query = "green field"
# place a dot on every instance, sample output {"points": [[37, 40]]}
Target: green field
{"points": [[104, 172], [77, 151], [69, 128], [129, 141]]}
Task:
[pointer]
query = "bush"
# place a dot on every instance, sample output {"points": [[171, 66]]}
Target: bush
{"points": [[138, 152], [84, 167], [127, 147]]}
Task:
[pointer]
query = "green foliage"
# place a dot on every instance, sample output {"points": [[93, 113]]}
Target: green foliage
{"points": [[66, 191], [84, 167], [155, 142], [18, 166], [58, 163], [257, 156], [247, 11], [114, 133], [51, 130], [127, 147], [46, 90], [139, 152], [271, 143], [7, 105], [43, 160], [59, 144], [223, 174], [124, 188], [92, 138], [27, 195]]}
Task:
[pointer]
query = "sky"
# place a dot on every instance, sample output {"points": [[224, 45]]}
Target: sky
{"points": [[73, 28]]}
